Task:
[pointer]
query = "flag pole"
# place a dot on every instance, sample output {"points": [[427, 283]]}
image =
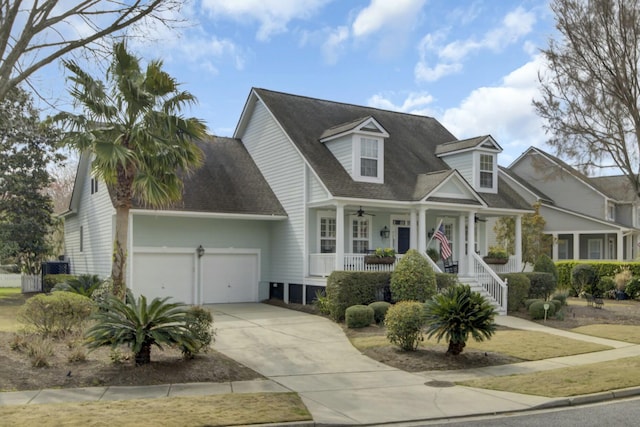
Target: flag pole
{"points": [[434, 232]]}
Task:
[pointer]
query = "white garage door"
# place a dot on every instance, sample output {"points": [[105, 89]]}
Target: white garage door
{"points": [[164, 275], [229, 278]]}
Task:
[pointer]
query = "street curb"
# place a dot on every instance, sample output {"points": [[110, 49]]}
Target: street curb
{"points": [[589, 398]]}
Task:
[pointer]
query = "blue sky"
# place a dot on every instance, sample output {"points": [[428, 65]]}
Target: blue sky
{"points": [[470, 64]]}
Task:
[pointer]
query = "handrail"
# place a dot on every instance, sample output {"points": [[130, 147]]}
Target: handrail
{"points": [[490, 281], [431, 262]]}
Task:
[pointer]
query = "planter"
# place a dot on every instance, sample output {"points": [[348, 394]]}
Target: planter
{"points": [[500, 261], [372, 259]]}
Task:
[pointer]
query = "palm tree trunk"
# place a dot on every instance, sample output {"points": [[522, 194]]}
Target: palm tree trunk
{"points": [[455, 348], [118, 267], [143, 357]]}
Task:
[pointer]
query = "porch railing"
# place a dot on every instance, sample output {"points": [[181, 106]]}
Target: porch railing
{"points": [[510, 267], [323, 264], [489, 280]]}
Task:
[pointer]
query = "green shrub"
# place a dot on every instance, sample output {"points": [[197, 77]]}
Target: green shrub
{"points": [[607, 287], [199, 322], [413, 278], [49, 281], [633, 288], [358, 316], [536, 310], [84, 285], [457, 314], [561, 296], [584, 279], [103, 292], [322, 302], [602, 268], [557, 303], [518, 289], [446, 281], [380, 309], [528, 302], [542, 285], [140, 325], [55, 314], [404, 322], [544, 264], [347, 288], [39, 349]]}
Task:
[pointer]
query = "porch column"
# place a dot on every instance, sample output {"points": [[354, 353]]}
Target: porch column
{"points": [[576, 246], [422, 230], [339, 237], [554, 246], [518, 242], [471, 239], [460, 245], [413, 234], [620, 246]]}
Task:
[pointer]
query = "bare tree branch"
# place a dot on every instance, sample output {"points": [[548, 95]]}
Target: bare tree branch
{"points": [[35, 33]]}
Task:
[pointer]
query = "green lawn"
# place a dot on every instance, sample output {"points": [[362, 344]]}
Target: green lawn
{"points": [[625, 333]]}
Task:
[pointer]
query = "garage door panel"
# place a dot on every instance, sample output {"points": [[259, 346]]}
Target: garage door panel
{"points": [[229, 278], [164, 275]]}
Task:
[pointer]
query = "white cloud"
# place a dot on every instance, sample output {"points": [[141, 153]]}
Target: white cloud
{"points": [[383, 13], [334, 45], [438, 60], [273, 16], [414, 103]]}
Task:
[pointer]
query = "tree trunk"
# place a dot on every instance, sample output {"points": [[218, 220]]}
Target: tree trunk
{"points": [[455, 348], [143, 357], [119, 265]]}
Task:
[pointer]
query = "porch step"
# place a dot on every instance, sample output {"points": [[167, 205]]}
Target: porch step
{"points": [[476, 287]]}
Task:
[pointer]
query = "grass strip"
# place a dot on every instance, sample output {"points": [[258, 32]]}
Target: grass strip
{"points": [[572, 381], [217, 410], [624, 333]]}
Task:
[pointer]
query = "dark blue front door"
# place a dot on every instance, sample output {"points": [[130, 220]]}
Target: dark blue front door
{"points": [[403, 239]]}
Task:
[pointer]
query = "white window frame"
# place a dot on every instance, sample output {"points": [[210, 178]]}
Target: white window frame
{"points": [[494, 173], [326, 216], [598, 243], [611, 211], [358, 138], [353, 239]]}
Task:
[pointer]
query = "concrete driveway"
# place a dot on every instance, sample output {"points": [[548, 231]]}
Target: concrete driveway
{"points": [[310, 355]]}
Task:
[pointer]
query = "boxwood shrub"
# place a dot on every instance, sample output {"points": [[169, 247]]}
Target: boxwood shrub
{"points": [[50, 280], [358, 316], [528, 302], [557, 303], [404, 323], [413, 278], [55, 314], [380, 309], [542, 285], [518, 285], [347, 288], [536, 310]]}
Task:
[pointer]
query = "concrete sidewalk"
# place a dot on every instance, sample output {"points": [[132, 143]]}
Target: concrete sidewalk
{"points": [[310, 355]]}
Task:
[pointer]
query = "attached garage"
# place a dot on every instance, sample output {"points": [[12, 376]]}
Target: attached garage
{"points": [[219, 276]]}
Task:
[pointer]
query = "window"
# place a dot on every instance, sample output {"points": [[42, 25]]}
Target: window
{"points": [[81, 238], [486, 171], [595, 248], [563, 249], [369, 157], [94, 185], [327, 235], [360, 235], [611, 211]]}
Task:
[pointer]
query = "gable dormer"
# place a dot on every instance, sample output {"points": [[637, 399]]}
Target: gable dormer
{"points": [[359, 147], [476, 159]]}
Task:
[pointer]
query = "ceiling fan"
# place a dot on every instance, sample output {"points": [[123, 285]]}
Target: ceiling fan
{"points": [[476, 218], [360, 212]]}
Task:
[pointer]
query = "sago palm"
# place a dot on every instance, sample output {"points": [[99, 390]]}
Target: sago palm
{"points": [[140, 325], [132, 127], [458, 313]]}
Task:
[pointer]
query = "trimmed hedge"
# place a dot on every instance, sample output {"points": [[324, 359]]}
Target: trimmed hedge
{"points": [[557, 303], [358, 316], [55, 314], [584, 278], [413, 279], [544, 264], [445, 281], [51, 280], [602, 268], [542, 284], [404, 323], [347, 288], [528, 302], [536, 310], [518, 285], [380, 309]]}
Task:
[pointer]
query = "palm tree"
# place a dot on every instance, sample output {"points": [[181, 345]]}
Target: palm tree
{"points": [[458, 313], [133, 129], [141, 325]]}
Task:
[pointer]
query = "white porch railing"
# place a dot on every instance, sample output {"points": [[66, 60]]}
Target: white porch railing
{"points": [[323, 264], [489, 280], [510, 267]]}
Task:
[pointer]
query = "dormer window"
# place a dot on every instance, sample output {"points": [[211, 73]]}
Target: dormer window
{"points": [[486, 171], [611, 211], [369, 157]]}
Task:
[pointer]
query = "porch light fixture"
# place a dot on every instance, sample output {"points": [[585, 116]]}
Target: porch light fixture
{"points": [[384, 233], [200, 251]]}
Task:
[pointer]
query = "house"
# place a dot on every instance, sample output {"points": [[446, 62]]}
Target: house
{"points": [[588, 218], [304, 187]]}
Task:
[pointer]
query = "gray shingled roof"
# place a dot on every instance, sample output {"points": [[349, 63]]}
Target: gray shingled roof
{"points": [[618, 186], [451, 146], [526, 185], [409, 151], [344, 127], [228, 182], [427, 182]]}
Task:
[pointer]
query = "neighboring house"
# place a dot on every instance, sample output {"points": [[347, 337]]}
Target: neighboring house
{"points": [[589, 218], [305, 187]]}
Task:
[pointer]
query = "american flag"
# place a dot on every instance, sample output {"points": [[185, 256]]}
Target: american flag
{"points": [[445, 248]]}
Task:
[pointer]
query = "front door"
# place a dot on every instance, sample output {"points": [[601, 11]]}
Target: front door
{"points": [[403, 239]]}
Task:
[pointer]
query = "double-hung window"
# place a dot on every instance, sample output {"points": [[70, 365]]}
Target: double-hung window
{"points": [[486, 171], [595, 248], [369, 157], [360, 235], [327, 235]]}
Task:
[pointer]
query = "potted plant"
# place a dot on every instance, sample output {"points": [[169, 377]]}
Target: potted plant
{"points": [[496, 255], [381, 256]]}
